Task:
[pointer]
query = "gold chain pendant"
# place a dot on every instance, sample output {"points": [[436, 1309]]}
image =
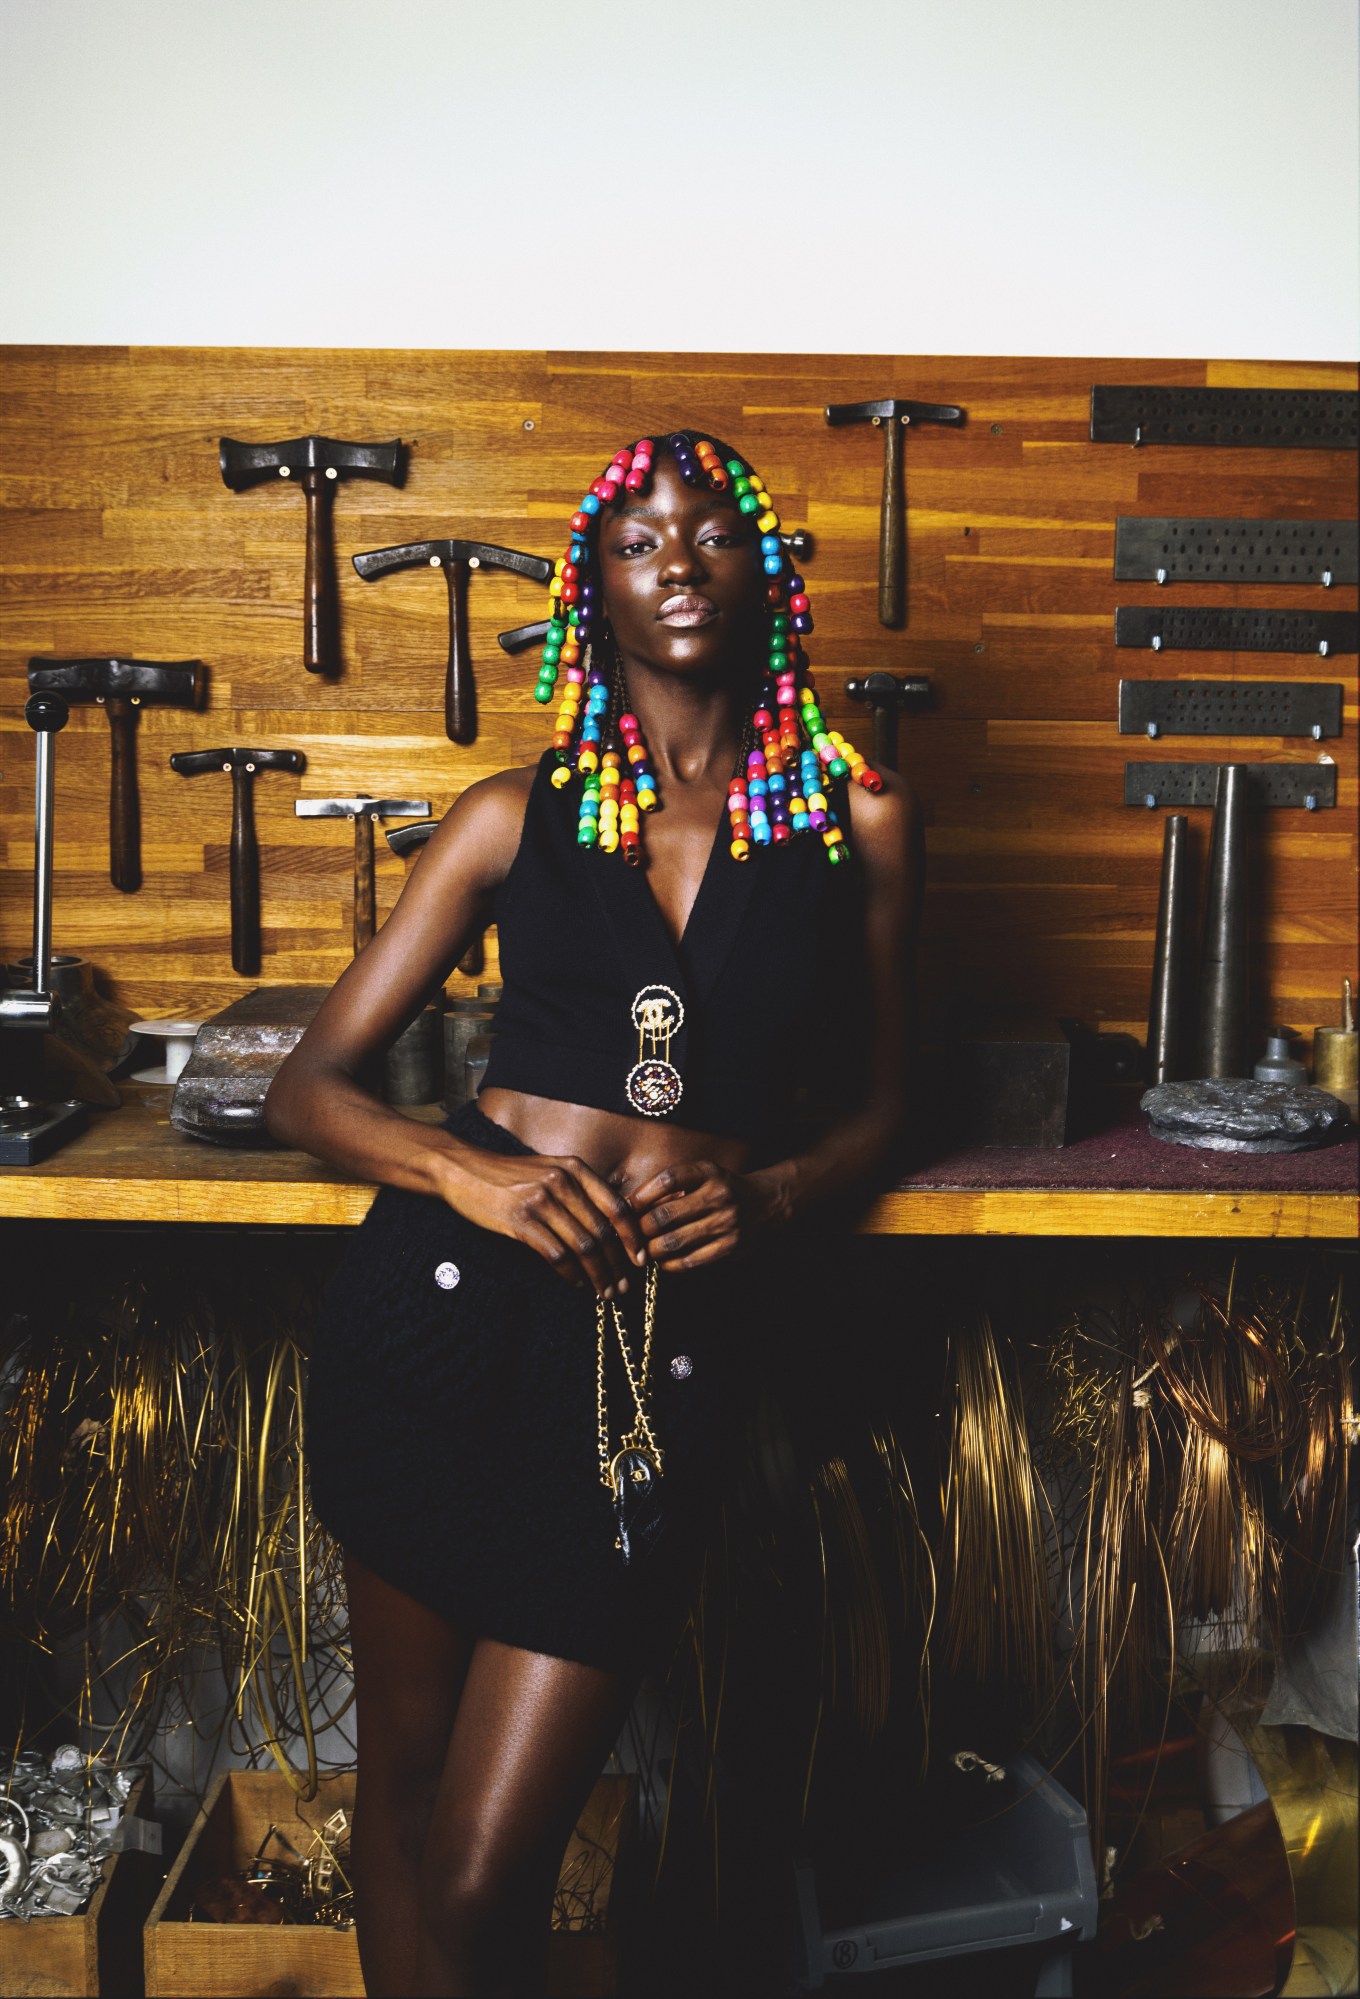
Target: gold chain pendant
{"points": [[653, 1086], [641, 1438]]}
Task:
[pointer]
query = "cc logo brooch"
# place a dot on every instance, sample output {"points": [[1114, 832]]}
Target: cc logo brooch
{"points": [[653, 1086]]}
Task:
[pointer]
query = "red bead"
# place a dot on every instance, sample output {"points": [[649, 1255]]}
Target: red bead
{"points": [[601, 490], [623, 458], [570, 572], [581, 523], [762, 718], [629, 724], [635, 482], [798, 602], [734, 786], [773, 592], [780, 830], [643, 447]]}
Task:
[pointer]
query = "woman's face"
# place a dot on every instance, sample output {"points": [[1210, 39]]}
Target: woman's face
{"points": [[682, 585]]}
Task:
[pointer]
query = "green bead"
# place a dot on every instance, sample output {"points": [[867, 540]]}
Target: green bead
{"points": [[556, 631], [749, 504], [837, 767], [780, 621], [836, 854], [585, 833], [573, 616], [543, 692], [735, 467], [551, 655], [740, 486]]}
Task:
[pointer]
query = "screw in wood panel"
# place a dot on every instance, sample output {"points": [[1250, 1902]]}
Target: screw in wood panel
{"points": [[979, 647], [528, 423], [996, 430]]}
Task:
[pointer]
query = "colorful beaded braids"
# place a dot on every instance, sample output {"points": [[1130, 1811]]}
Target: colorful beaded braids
{"points": [[777, 789]]}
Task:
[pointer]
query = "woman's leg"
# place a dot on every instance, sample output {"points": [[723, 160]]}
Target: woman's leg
{"points": [[530, 1738], [409, 1666]]}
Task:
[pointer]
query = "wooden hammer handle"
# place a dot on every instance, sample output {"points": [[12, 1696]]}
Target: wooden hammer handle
{"points": [[125, 819], [365, 914], [460, 710], [321, 608], [892, 534], [245, 874]]}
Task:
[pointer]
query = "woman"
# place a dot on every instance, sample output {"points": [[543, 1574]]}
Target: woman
{"points": [[658, 1126]]}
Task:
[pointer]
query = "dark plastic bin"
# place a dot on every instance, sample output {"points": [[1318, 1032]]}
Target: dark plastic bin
{"points": [[1023, 1875]]}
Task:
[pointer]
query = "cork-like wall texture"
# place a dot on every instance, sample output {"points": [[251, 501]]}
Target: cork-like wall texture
{"points": [[120, 537]]}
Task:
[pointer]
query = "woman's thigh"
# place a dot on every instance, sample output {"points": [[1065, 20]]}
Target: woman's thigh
{"points": [[410, 1666]]}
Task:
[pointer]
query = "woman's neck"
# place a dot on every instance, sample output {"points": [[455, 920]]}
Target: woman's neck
{"points": [[693, 728]]}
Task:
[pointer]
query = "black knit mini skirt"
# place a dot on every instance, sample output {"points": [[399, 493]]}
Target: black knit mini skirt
{"points": [[450, 1424]]}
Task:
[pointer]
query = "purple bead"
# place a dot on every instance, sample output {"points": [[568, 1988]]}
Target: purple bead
{"points": [[817, 818], [802, 621], [795, 584]]}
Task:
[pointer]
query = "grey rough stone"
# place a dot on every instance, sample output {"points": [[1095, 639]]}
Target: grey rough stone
{"points": [[236, 1056], [1223, 1114]]}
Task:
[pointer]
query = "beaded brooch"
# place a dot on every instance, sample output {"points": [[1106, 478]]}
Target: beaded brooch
{"points": [[779, 793]]}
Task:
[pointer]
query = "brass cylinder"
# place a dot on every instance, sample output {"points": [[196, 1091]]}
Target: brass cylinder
{"points": [[1336, 1058]]}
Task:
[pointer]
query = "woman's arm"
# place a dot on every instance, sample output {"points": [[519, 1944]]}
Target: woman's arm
{"points": [[693, 1213], [560, 1207]]}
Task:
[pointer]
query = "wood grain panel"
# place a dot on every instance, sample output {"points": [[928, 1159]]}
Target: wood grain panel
{"points": [[118, 535]]}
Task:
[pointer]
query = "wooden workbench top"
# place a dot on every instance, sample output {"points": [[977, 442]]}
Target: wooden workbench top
{"points": [[131, 1165]]}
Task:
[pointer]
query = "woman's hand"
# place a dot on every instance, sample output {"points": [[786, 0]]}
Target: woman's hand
{"points": [[559, 1206], [695, 1212]]}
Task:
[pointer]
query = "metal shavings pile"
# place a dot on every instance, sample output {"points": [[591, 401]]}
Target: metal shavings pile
{"points": [[60, 1818]]}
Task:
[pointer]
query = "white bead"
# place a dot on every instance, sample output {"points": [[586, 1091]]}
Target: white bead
{"points": [[447, 1275], [681, 1366]]}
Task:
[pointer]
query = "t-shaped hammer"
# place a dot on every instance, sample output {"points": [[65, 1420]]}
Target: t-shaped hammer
{"points": [[892, 416], [363, 810], [455, 558], [243, 766], [317, 464], [121, 686]]}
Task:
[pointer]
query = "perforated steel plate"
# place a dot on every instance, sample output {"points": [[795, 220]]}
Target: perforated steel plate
{"points": [[1315, 419], [1230, 708], [1198, 629], [1176, 551], [1196, 784]]}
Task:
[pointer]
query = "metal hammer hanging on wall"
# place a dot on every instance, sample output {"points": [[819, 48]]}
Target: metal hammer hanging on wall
{"points": [[892, 416], [455, 558], [121, 687], [243, 766], [364, 811], [317, 464]]}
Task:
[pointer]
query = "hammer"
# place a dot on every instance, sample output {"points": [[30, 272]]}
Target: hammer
{"points": [[455, 558], [121, 686], [363, 810], [410, 839], [887, 695], [245, 854], [318, 464], [892, 416]]}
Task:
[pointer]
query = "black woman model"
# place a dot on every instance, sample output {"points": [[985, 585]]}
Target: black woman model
{"points": [[525, 1372]]}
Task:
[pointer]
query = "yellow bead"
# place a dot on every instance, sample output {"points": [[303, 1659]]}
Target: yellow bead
{"points": [[740, 849], [608, 841], [628, 818], [817, 801], [587, 761], [555, 587], [561, 776], [765, 501], [559, 565], [646, 799], [767, 522]]}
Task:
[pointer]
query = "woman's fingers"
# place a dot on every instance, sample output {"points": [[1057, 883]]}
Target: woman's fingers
{"points": [[552, 1247], [558, 1200], [709, 1251], [614, 1208], [678, 1179], [679, 1211], [592, 1202]]}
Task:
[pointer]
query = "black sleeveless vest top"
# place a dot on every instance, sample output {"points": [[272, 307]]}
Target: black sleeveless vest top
{"points": [[770, 970]]}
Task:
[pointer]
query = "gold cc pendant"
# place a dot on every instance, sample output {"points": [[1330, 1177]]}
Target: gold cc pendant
{"points": [[653, 1086]]}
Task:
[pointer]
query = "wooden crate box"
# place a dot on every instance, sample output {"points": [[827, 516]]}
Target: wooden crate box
{"points": [[54, 1957], [201, 1960]]}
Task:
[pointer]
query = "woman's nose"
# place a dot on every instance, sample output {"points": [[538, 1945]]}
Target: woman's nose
{"points": [[682, 562]]}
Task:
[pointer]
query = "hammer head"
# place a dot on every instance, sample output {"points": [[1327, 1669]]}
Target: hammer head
{"points": [[246, 464], [404, 839], [890, 408], [179, 683], [192, 763], [361, 806], [522, 636], [438, 555]]}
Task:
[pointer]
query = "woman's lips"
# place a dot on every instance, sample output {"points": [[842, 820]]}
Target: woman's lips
{"points": [[687, 611]]}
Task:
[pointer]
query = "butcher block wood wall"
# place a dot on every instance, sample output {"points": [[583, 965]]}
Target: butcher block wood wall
{"points": [[119, 537]]}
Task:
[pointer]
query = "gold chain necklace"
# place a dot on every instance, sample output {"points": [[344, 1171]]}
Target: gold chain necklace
{"points": [[641, 1436]]}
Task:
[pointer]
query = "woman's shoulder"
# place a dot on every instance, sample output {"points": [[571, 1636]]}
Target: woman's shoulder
{"points": [[479, 836], [885, 826]]}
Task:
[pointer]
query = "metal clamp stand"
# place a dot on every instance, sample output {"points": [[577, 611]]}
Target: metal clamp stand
{"points": [[887, 695], [31, 1127]]}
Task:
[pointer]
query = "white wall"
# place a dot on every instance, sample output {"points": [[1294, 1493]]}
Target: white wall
{"points": [[1104, 177]]}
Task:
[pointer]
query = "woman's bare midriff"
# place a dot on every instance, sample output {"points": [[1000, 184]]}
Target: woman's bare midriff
{"points": [[624, 1151]]}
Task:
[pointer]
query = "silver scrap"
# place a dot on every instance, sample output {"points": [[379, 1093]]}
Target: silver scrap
{"points": [[60, 1818]]}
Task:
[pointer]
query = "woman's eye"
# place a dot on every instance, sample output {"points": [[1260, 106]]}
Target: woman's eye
{"points": [[723, 538], [633, 547]]}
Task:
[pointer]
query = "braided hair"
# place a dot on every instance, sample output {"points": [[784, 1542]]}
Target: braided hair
{"points": [[787, 752]]}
